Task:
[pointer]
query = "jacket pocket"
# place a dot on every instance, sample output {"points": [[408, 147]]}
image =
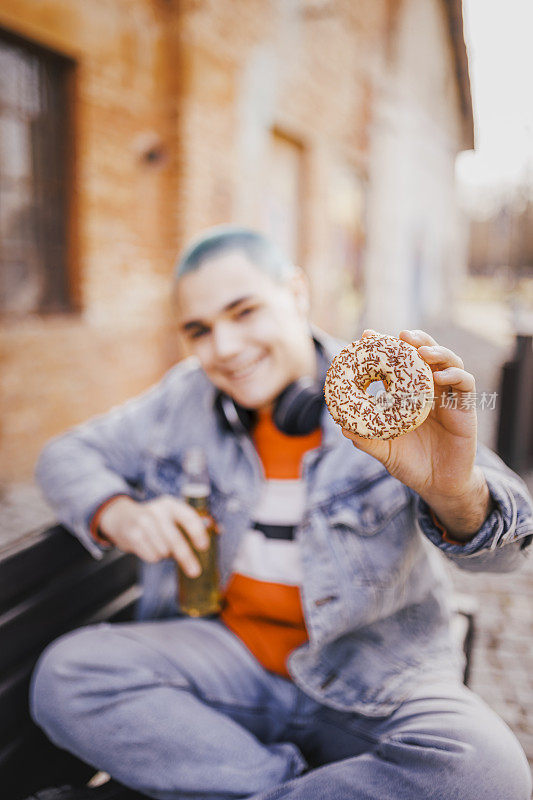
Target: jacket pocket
{"points": [[367, 512], [164, 476]]}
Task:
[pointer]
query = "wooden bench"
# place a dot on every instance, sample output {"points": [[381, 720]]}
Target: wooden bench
{"points": [[49, 584]]}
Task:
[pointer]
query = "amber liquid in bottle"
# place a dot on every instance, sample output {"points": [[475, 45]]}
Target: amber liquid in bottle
{"points": [[201, 596]]}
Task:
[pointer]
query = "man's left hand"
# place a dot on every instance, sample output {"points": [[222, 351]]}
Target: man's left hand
{"points": [[437, 458]]}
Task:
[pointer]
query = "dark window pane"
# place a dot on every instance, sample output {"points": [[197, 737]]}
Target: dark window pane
{"points": [[33, 176]]}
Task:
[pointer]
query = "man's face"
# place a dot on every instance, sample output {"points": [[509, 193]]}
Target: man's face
{"points": [[249, 331]]}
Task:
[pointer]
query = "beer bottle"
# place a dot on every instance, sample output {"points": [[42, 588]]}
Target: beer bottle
{"points": [[201, 596]]}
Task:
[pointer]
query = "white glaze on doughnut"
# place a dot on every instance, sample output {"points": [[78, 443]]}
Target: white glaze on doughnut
{"points": [[407, 377]]}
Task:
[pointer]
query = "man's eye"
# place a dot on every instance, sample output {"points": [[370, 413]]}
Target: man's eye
{"points": [[197, 333], [244, 312]]}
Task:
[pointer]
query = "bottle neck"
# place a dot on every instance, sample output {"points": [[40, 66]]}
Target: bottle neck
{"points": [[196, 495]]}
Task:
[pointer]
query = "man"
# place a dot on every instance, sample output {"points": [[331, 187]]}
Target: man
{"points": [[330, 672]]}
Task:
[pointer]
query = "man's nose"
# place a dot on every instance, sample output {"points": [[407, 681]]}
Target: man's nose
{"points": [[226, 341]]}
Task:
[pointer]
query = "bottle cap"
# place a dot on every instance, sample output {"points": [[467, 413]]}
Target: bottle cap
{"points": [[195, 462]]}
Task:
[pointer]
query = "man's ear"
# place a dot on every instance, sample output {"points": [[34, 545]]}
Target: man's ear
{"points": [[184, 344], [299, 285]]}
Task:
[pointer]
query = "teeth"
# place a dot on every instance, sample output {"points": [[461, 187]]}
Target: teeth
{"points": [[240, 373]]}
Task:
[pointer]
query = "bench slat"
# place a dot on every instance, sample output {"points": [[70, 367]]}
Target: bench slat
{"points": [[49, 584], [40, 617], [35, 558], [14, 687]]}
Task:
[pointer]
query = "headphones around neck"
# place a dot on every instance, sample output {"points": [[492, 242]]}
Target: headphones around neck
{"points": [[297, 409]]}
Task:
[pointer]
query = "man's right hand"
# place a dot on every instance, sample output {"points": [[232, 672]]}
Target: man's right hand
{"points": [[158, 529]]}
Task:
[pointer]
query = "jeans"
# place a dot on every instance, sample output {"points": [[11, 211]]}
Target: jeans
{"points": [[181, 709]]}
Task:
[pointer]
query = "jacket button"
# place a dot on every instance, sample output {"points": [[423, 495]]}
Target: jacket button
{"points": [[368, 516]]}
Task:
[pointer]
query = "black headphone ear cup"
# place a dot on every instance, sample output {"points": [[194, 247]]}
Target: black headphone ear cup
{"points": [[298, 408], [247, 417], [233, 416]]}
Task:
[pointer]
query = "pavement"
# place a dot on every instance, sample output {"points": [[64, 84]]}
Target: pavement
{"points": [[502, 659]]}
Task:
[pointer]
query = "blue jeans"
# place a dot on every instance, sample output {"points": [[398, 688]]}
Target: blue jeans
{"points": [[181, 709]]}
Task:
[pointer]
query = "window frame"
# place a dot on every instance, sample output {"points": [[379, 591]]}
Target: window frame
{"points": [[67, 300]]}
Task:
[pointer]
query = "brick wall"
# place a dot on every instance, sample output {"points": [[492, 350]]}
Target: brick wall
{"points": [[57, 370], [174, 107], [200, 85]]}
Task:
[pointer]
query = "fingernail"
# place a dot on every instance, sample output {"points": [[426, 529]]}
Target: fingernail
{"points": [[194, 571]]}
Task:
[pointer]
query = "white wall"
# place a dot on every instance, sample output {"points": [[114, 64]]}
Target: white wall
{"points": [[415, 245]]}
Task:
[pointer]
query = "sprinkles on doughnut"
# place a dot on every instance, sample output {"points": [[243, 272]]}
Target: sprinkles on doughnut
{"points": [[408, 382]]}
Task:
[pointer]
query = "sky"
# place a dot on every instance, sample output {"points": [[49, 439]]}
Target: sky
{"points": [[499, 38]]}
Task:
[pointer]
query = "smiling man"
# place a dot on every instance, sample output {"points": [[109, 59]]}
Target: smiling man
{"points": [[251, 335], [331, 671]]}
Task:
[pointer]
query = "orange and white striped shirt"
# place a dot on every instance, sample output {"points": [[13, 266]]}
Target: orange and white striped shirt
{"points": [[262, 599]]}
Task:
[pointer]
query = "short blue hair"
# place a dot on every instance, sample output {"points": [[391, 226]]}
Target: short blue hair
{"points": [[257, 247]]}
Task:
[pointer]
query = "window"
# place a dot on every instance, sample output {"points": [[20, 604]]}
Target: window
{"points": [[282, 194], [346, 216], [34, 139], [343, 298]]}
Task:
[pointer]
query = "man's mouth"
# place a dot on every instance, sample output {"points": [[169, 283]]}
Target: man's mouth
{"points": [[245, 370]]}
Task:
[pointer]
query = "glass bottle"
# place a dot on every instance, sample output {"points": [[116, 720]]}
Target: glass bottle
{"points": [[201, 596]]}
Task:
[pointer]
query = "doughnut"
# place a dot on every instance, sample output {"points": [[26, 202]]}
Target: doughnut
{"points": [[400, 408]]}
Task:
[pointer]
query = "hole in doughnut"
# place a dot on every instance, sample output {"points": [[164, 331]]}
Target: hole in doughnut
{"points": [[374, 387], [379, 390]]}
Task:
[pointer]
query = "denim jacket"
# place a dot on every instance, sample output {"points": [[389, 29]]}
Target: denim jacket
{"points": [[375, 590]]}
